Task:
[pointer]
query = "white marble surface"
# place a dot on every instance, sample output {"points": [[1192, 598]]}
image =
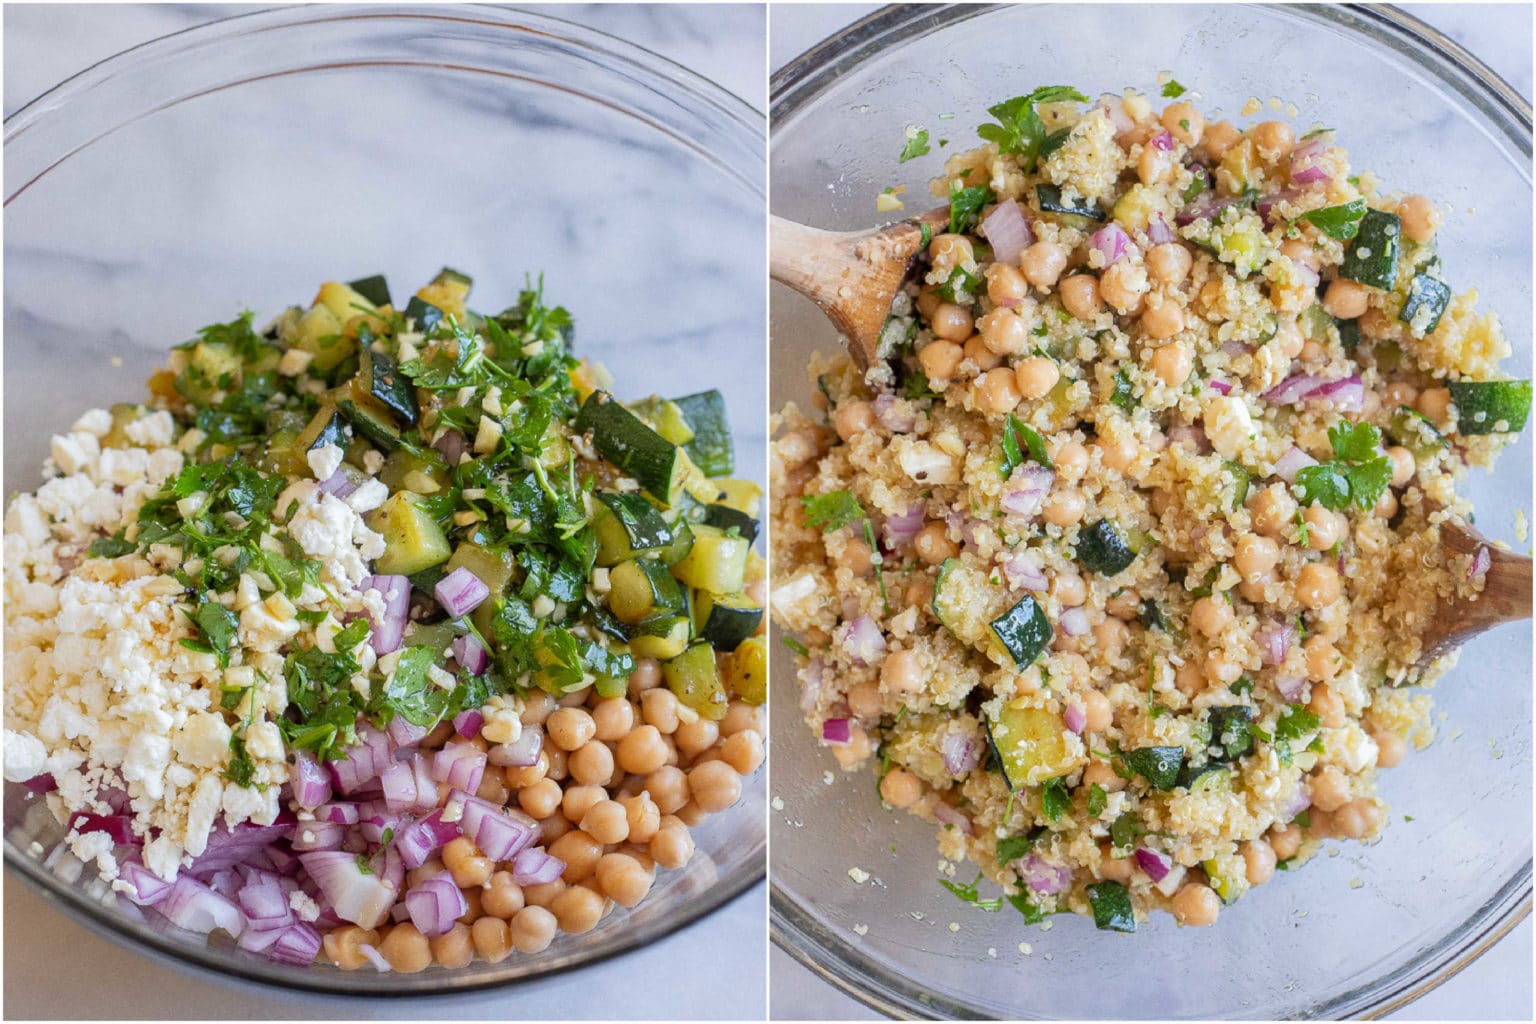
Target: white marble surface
{"points": [[1498, 985], [714, 968]]}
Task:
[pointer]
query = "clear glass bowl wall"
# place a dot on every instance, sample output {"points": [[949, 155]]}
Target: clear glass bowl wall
{"points": [[238, 165], [1434, 890]]}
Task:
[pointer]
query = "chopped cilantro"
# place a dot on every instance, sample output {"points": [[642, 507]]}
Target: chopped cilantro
{"points": [[217, 627], [965, 205], [1358, 475], [968, 894], [917, 145], [1054, 798], [1098, 799], [1011, 848], [837, 509], [110, 547], [796, 646]]}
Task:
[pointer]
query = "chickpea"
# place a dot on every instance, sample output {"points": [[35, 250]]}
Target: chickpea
{"points": [[1172, 362], [983, 358], [1111, 636], [900, 788], [542, 895], [1357, 819], [1330, 789], [466, 864], [1256, 555], [1221, 669], [740, 716], [1323, 527], [1420, 218], [1272, 510], [521, 777], [646, 676], [1345, 299], [1286, 841], [502, 896], [1006, 285], [864, 699], [1403, 466], [406, 949], [342, 946], [1042, 264], [928, 300], [855, 556], [940, 359], [1190, 678], [668, 788], [1115, 869], [453, 948], [659, 709], [1118, 451], [1301, 254], [693, 738], [1080, 296], [1004, 332], [996, 391], [1211, 615], [1325, 702], [1153, 165], [1436, 404], [577, 909], [579, 851], [1071, 459], [623, 879], [1322, 660], [1069, 589], [1386, 505], [1122, 286], [948, 251], [607, 821], [1036, 376], [1196, 905], [642, 751], [642, 817], [1317, 585], [592, 765], [1101, 774], [1274, 139], [570, 728], [1065, 507], [856, 750], [951, 322], [533, 929], [536, 710], [1219, 138], [1124, 605], [580, 799], [1169, 263], [1259, 861], [672, 846], [853, 419], [933, 545], [902, 672], [1184, 123], [492, 937], [743, 752], [1390, 749], [553, 827]]}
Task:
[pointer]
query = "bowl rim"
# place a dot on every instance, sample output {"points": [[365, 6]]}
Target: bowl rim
{"points": [[643, 65], [801, 80]]}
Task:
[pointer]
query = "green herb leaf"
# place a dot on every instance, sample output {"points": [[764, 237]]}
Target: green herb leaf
{"points": [[1359, 474], [917, 145], [967, 894], [1124, 394], [965, 205], [1296, 722], [1022, 903], [1011, 848], [1341, 222], [1021, 131], [796, 646], [1125, 830], [1172, 89], [218, 627], [832, 511], [110, 547], [1015, 431], [1098, 799], [1055, 799]]}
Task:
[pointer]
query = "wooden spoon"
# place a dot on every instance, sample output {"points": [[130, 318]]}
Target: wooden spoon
{"points": [[851, 275], [1506, 594]]}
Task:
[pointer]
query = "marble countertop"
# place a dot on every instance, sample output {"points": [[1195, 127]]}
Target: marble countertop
{"points": [[46, 953], [1496, 986]]}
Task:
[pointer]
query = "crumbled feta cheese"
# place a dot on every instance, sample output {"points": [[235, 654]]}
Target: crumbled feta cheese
{"points": [[324, 461]]}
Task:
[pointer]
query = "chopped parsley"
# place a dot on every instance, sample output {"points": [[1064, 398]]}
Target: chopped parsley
{"points": [[1098, 799], [1014, 432], [917, 145], [967, 894], [1341, 222], [1011, 848], [965, 205], [837, 509], [1055, 799], [1359, 473], [1172, 89], [1019, 129]]}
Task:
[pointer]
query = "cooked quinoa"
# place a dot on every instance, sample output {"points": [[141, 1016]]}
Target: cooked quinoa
{"points": [[1117, 568]]}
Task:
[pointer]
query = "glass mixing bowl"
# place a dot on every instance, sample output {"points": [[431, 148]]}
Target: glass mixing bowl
{"points": [[239, 164], [1359, 931]]}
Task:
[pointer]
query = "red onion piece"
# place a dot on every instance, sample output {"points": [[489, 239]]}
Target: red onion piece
{"points": [[1023, 571], [1266, 204], [899, 531], [1481, 563], [1291, 463], [810, 686], [1007, 231], [460, 592], [339, 814], [363, 899], [1028, 489], [960, 753], [1304, 169], [311, 784], [897, 417], [434, 905], [297, 943], [1206, 206], [1111, 243], [1076, 718], [499, 832], [1299, 801], [225, 849], [468, 723], [196, 907], [1044, 877], [863, 640], [452, 445], [1159, 232], [118, 826], [339, 484], [1114, 109], [418, 841], [1347, 393], [1219, 386], [364, 760], [404, 733], [385, 635], [148, 887], [375, 958], [1163, 141], [836, 730], [399, 781], [460, 765], [1153, 863], [1276, 642], [1290, 687], [318, 835], [944, 814], [1189, 436], [1074, 622], [264, 902], [521, 752], [534, 866], [43, 783]]}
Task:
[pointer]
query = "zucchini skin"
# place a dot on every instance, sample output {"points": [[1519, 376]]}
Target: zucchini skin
{"points": [[1049, 197], [381, 379], [624, 440], [1371, 258], [371, 425], [1104, 549], [1024, 631], [1481, 405], [711, 449], [723, 517], [373, 288]]}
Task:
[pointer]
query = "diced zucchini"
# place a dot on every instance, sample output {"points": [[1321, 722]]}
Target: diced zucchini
{"points": [[1491, 406], [663, 637], [347, 305], [1031, 743], [439, 636], [423, 471], [1231, 732], [321, 335], [742, 495], [283, 454], [725, 620], [642, 588], [1414, 431], [212, 367], [1425, 303], [710, 447], [726, 518], [1371, 258], [1103, 549], [1051, 202], [1228, 875], [380, 379], [1024, 631], [636, 449], [422, 315], [1241, 478], [123, 413], [694, 678], [325, 427], [375, 289], [1160, 766], [964, 602], [665, 417], [628, 526], [1207, 776], [448, 292], [1111, 906], [716, 562], [371, 422], [1349, 334], [746, 671], [412, 539], [682, 543]]}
